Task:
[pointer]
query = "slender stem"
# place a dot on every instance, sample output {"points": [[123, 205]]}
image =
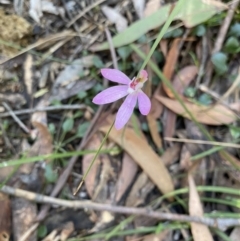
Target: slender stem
{"points": [[163, 31], [92, 162]]}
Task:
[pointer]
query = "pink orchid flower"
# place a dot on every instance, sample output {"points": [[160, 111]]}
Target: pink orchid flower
{"points": [[130, 88]]}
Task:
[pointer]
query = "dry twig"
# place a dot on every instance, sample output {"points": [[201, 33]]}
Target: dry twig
{"points": [[20, 123], [220, 223], [47, 108]]}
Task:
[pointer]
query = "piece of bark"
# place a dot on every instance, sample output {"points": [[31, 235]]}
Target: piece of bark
{"points": [[5, 218]]}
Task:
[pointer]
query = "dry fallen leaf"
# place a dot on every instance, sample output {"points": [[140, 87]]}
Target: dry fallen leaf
{"points": [[139, 7], [181, 80], [126, 176], [165, 235], [49, 7], [171, 154], [151, 7], [217, 115], [139, 191], [200, 232], [67, 230], [24, 213], [35, 10], [43, 144], [90, 181], [170, 64], [115, 17], [232, 164], [153, 127], [143, 154], [164, 47]]}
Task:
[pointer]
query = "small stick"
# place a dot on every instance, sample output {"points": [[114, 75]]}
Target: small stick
{"points": [[112, 49], [221, 223], [20, 123], [47, 108], [214, 143], [224, 28]]}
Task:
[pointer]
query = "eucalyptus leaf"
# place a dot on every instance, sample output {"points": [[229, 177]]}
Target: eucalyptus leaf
{"points": [[193, 13]]}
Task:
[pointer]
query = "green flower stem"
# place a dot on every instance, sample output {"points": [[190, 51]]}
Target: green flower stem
{"points": [[164, 29], [92, 162]]}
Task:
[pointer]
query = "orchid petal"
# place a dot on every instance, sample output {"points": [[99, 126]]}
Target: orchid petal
{"points": [[144, 103], [110, 95], [143, 75], [125, 111], [115, 76]]}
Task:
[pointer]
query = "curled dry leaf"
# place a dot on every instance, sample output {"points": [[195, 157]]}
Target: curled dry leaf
{"points": [[217, 115], [143, 154], [200, 232], [170, 64], [153, 127], [115, 17], [43, 145]]}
